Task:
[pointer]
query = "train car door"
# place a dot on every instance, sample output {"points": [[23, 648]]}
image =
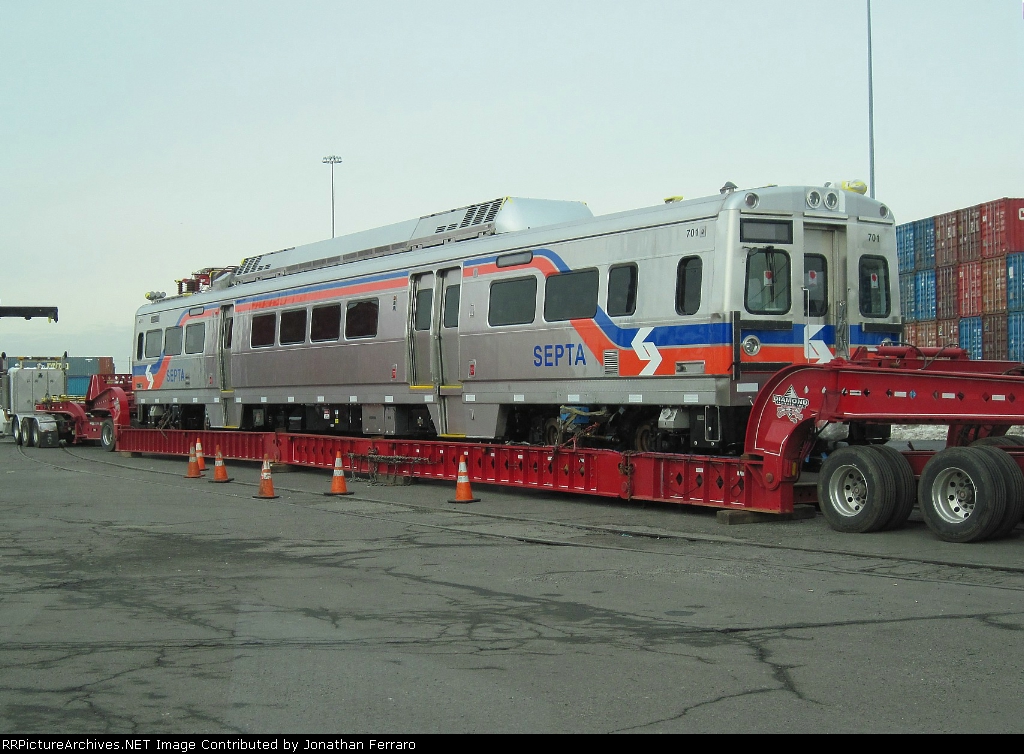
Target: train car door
{"points": [[826, 324], [227, 323], [421, 330]]}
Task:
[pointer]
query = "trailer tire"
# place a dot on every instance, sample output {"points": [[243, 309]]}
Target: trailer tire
{"points": [[108, 438], [1014, 480], [1005, 441], [857, 490], [906, 486], [962, 494]]}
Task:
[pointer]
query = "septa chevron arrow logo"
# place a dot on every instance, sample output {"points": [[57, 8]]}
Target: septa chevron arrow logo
{"points": [[646, 351], [815, 349]]}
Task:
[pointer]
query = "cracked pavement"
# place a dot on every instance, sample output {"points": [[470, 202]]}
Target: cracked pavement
{"points": [[135, 601]]}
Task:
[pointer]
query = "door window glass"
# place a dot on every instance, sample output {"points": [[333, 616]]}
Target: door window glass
{"points": [[768, 289], [816, 284], [451, 306], [424, 298]]}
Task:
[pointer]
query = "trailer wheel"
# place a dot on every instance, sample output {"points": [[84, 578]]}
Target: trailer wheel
{"points": [[1014, 480], [856, 490], [1005, 441], [107, 436], [906, 485], [962, 494]]}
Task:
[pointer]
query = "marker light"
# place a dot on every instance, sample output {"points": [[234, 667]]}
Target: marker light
{"points": [[831, 200], [751, 200], [813, 199]]}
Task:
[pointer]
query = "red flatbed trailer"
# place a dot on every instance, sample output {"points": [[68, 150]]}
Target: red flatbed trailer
{"points": [[889, 384]]}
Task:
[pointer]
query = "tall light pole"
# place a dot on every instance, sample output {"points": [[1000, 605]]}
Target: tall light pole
{"points": [[333, 160], [871, 114]]}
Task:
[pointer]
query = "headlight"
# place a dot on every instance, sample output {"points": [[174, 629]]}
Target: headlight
{"points": [[813, 199], [831, 200], [751, 345]]}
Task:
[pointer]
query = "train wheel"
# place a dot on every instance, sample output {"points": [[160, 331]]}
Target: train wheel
{"points": [[962, 494], [643, 437], [856, 490], [1014, 480], [906, 485], [107, 437], [552, 432]]}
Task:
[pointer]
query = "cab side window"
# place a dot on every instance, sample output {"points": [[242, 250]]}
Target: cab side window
{"points": [[689, 279]]}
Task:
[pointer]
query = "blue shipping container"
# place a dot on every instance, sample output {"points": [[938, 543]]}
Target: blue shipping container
{"points": [[905, 247], [1015, 282], [1015, 336], [908, 303], [970, 336], [78, 384], [924, 244], [924, 295]]}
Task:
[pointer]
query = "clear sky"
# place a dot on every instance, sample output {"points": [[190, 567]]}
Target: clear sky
{"points": [[142, 140]]}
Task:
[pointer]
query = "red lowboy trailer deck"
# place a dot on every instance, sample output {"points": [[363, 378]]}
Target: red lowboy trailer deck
{"points": [[860, 487]]}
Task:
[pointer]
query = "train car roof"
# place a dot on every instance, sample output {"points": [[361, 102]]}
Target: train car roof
{"points": [[513, 223]]}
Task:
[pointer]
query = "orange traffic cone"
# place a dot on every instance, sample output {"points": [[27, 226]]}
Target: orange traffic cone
{"points": [[199, 455], [193, 466], [220, 471], [338, 485], [463, 493], [266, 491]]}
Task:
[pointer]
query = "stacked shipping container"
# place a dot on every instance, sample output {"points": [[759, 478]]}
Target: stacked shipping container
{"points": [[962, 279]]}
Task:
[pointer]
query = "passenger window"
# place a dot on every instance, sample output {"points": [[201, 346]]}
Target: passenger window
{"points": [[512, 302], [424, 298], [689, 279], [816, 284], [570, 295], [138, 350], [874, 287], [195, 337], [154, 343], [361, 319], [768, 289], [293, 327], [172, 341], [326, 324], [263, 327], [622, 281], [451, 306]]}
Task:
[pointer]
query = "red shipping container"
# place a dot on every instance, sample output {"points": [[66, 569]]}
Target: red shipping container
{"points": [[910, 333], [948, 332], [927, 334], [993, 337], [993, 285], [1002, 227], [969, 289], [968, 226], [945, 239], [946, 284]]}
